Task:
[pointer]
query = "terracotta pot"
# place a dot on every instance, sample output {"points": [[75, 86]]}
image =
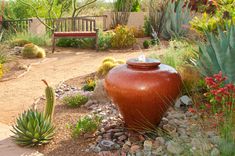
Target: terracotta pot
{"points": [[143, 91]]}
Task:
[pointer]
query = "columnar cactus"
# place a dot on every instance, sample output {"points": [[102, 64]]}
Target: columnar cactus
{"points": [[50, 101]]}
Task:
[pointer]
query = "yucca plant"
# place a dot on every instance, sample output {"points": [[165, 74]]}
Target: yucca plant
{"points": [[177, 16], [32, 129], [218, 54]]}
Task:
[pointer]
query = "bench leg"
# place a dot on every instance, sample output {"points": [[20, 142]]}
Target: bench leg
{"points": [[97, 40], [53, 44]]}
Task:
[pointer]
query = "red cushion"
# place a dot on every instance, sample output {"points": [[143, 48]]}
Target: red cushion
{"points": [[74, 34]]}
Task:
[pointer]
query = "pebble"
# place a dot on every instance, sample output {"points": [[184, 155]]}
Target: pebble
{"points": [[174, 148], [134, 149], [122, 138], [148, 145], [215, 152]]}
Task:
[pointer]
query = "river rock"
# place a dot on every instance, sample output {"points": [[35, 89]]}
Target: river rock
{"points": [[174, 148]]}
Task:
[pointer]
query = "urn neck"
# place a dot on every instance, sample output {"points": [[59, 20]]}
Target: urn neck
{"points": [[149, 64]]}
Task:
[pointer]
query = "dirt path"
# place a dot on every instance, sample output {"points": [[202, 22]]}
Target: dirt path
{"points": [[18, 94]]}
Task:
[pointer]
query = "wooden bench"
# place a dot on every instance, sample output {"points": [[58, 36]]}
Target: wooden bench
{"points": [[88, 30]]}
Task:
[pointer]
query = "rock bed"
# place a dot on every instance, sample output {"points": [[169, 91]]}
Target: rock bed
{"points": [[179, 132]]}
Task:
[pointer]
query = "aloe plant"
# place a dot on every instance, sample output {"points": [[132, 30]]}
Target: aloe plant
{"points": [[177, 17], [218, 53]]}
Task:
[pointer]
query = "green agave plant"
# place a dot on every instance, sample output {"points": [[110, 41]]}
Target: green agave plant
{"points": [[32, 129], [218, 54], [177, 16]]}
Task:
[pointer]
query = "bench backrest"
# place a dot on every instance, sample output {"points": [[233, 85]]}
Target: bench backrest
{"points": [[73, 24]]}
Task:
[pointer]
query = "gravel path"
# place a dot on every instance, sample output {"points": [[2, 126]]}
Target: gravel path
{"points": [[18, 94]]}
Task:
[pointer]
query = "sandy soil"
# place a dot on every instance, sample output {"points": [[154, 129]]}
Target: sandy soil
{"points": [[18, 94]]}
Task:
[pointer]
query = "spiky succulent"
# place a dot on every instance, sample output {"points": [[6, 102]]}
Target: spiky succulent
{"points": [[32, 129], [177, 16], [218, 54]]}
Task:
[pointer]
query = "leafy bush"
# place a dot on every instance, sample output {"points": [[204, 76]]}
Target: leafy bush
{"points": [[105, 40], [20, 39], [218, 53], [147, 27], [32, 129], [75, 42], [123, 37], [75, 100], [107, 64], [221, 98], [3, 57], [146, 44], [136, 6], [138, 32], [86, 124], [176, 17], [1, 70], [224, 15], [90, 85], [19, 42], [33, 51]]}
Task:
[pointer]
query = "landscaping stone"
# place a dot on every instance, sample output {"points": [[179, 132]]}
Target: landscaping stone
{"points": [[100, 93], [215, 152], [174, 148], [148, 145]]}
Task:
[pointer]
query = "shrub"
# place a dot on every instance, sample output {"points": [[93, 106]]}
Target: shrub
{"points": [[19, 42], [146, 44], [224, 15], [147, 27], [136, 6], [20, 39], [176, 17], [90, 85], [33, 51], [107, 64], [75, 42], [138, 32], [75, 100], [123, 37], [32, 129], [105, 40], [86, 124], [218, 53], [3, 57], [221, 102], [1, 70]]}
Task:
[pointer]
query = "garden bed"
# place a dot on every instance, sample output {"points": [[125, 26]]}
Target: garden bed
{"points": [[179, 132]]}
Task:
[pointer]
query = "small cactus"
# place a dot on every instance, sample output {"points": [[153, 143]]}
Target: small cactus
{"points": [[32, 51], [50, 101]]}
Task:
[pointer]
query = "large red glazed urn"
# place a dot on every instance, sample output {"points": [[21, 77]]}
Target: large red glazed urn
{"points": [[143, 91]]}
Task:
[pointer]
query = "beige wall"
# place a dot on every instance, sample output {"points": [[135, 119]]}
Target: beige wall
{"points": [[136, 19], [36, 27]]}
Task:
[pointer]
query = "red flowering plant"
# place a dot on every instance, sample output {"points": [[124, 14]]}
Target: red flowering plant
{"points": [[221, 101]]}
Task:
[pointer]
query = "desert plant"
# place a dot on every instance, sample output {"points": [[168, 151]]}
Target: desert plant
{"points": [[75, 42], [75, 100], [86, 124], [32, 51], [50, 101], [19, 42], [138, 32], [32, 128], [107, 64], [176, 18], [147, 27], [123, 37], [122, 9], [1, 70], [20, 39], [136, 6], [217, 54], [3, 57], [146, 44], [105, 40], [157, 10], [89, 85]]}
